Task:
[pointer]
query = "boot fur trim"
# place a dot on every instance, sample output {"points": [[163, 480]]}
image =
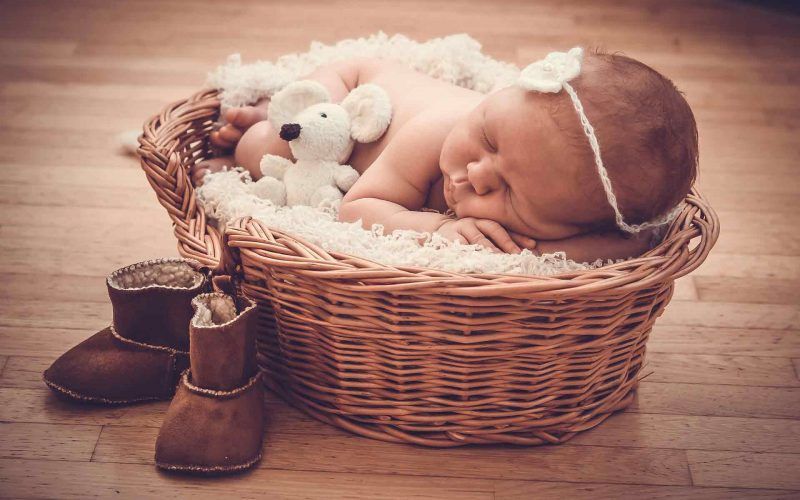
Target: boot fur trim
{"points": [[146, 346], [218, 394], [218, 309], [168, 273]]}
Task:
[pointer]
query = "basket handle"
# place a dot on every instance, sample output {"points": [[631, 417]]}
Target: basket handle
{"points": [[169, 139], [698, 220]]}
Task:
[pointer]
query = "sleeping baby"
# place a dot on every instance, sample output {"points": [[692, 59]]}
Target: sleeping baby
{"points": [[586, 154]]}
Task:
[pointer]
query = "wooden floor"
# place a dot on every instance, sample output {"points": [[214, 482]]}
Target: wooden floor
{"points": [[718, 418]]}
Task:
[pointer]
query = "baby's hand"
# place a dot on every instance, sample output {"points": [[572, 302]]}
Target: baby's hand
{"points": [[484, 232], [198, 171]]}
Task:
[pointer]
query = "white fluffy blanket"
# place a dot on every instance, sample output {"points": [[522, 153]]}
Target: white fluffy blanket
{"points": [[456, 59]]}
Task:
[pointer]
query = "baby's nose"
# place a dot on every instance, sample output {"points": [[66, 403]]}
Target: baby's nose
{"points": [[483, 178]]}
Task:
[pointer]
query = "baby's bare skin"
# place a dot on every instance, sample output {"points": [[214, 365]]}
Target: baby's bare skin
{"points": [[410, 92], [431, 157]]}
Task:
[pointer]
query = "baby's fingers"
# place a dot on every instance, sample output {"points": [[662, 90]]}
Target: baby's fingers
{"points": [[498, 234], [522, 240], [476, 237]]}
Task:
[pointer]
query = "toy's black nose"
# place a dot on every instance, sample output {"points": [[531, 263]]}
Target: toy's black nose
{"points": [[290, 131]]}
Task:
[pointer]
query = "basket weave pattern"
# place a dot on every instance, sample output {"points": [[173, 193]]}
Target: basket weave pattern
{"points": [[423, 356]]}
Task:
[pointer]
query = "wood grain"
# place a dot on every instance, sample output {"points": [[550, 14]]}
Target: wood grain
{"points": [[717, 417], [47, 441], [749, 470], [720, 400], [525, 490], [40, 479], [342, 452]]}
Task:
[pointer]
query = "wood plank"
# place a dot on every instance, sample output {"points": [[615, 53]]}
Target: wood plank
{"points": [[13, 47], [724, 341], [716, 400], [58, 287], [685, 289], [24, 372], [718, 369], [353, 454], [166, 93], [105, 155], [695, 433], [748, 290], [750, 266], [77, 196], [739, 220], [755, 244], [73, 260], [724, 200], [48, 441], [74, 315], [102, 239], [42, 406], [742, 469], [80, 217], [127, 173], [36, 479], [48, 343], [99, 137], [731, 315], [525, 490], [752, 182], [22, 72]]}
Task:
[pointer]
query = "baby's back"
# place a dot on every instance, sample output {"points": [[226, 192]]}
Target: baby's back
{"points": [[411, 93]]}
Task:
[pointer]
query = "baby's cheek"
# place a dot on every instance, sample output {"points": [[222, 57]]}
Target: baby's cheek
{"points": [[454, 150]]}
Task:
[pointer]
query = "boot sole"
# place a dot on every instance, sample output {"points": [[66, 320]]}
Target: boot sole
{"points": [[208, 469], [63, 391]]}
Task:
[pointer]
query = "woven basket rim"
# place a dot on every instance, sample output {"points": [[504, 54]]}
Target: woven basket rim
{"points": [[667, 261]]}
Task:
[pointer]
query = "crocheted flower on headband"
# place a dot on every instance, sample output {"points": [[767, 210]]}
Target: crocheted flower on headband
{"points": [[549, 74]]}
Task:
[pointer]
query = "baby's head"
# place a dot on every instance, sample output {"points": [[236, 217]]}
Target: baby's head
{"points": [[522, 157]]}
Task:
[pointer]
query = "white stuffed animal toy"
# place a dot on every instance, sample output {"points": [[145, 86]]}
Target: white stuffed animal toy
{"points": [[321, 135]]}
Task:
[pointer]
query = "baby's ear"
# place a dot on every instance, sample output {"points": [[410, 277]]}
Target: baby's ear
{"points": [[294, 98], [370, 112]]}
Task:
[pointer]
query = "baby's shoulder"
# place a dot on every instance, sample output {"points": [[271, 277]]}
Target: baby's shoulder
{"points": [[370, 69]]}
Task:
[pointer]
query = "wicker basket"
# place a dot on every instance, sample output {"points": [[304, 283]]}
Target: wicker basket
{"points": [[424, 356]]}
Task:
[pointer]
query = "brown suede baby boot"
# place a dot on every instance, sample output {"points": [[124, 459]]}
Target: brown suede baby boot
{"points": [[140, 356], [216, 419]]}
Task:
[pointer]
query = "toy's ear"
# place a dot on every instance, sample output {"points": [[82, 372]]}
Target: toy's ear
{"points": [[370, 112], [294, 98]]}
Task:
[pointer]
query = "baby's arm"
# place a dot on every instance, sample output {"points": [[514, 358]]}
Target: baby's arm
{"points": [[601, 245], [392, 190]]}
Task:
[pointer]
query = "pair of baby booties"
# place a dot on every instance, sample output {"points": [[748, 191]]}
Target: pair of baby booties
{"points": [[171, 330]]}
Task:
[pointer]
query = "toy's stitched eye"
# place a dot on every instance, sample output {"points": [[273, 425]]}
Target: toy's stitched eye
{"points": [[323, 115]]}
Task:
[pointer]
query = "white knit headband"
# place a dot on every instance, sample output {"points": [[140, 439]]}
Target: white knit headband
{"points": [[551, 74]]}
